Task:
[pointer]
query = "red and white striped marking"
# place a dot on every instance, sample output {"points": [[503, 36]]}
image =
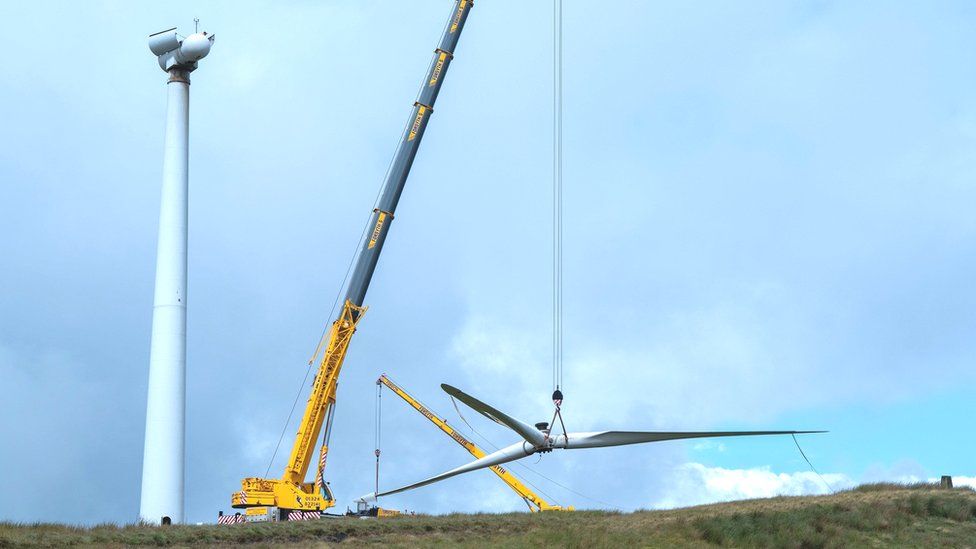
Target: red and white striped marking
{"points": [[243, 497], [304, 515], [231, 519], [319, 475]]}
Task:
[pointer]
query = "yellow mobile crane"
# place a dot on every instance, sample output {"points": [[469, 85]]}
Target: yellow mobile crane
{"points": [[291, 497], [534, 502]]}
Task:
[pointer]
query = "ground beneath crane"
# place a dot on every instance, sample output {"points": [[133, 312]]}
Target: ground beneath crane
{"points": [[885, 515]]}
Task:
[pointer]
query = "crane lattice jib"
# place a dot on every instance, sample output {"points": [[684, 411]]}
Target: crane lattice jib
{"points": [[323, 393]]}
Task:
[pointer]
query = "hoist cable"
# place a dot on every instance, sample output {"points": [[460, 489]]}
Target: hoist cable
{"points": [[524, 480], [318, 347], [492, 444], [557, 195], [378, 431], [377, 410], [812, 468], [529, 469], [567, 488], [287, 421], [335, 303], [458, 410], [355, 251]]}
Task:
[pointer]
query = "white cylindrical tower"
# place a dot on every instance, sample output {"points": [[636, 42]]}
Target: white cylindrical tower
{"points": [[163, 457]]}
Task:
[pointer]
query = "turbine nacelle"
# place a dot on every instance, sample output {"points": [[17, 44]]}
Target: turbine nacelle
{"points": [[177, 53]]}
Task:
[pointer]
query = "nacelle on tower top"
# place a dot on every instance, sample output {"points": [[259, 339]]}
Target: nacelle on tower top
{"points": [[176, 53]]}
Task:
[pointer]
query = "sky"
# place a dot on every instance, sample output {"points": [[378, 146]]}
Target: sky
{"points": [[768, 225]]}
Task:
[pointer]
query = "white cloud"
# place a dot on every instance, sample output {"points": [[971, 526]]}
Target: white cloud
{"points": [[55, 410], [697, 484], [503, 364], [904, 471], [707, 445], [690, 371]]}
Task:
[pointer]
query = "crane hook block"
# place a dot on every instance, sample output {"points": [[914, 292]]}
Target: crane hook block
{"points": [[557, 397]]}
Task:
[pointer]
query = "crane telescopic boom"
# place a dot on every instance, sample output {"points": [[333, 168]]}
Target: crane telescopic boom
{"points": [[291, 492], [531, 499]]}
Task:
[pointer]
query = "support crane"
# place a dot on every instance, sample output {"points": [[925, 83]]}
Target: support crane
{"points": [[291, 497], [530, 498]]}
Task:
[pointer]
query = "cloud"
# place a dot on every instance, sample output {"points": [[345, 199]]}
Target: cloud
{"points": [[904, 471], [708, 445], [503, 363], [692, 369], [697, 484], [66, 414]]}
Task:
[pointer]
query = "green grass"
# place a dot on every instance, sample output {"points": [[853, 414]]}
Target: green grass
{"points": [[871, 515]]}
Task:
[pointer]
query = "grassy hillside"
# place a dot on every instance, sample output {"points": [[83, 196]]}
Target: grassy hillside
{"points": [[919, 516]]}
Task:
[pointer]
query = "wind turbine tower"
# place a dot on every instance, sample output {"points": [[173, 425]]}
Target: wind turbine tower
{"points": [[163, 458]]}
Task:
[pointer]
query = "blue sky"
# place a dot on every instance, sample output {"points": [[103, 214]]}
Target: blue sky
{"points": [[768, 225]]}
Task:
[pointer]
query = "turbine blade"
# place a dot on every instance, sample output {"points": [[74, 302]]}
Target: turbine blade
{"points": [[531, 435], [505, 455], [619, 438]]}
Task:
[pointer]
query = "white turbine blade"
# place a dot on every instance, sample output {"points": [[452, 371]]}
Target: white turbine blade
{"points": [[531, 435], [505, 455], [619, 438]]}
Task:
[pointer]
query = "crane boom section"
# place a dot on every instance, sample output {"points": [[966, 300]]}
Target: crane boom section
{"points": [[423, 107], [291, 491], [324, 388], [323, 393], [534, 502]]}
